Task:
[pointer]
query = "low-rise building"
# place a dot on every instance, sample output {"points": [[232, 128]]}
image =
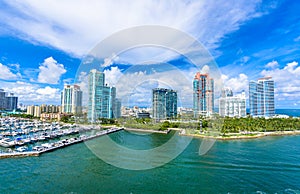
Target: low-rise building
{"points": [[51, 116], [232, 106]]}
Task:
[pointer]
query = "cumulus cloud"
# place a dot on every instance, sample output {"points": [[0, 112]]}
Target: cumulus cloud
{"points": [[47, 91], [6, 73], [29, 93], [287, 81], [50, 71], [237, 84], [112, 75]]}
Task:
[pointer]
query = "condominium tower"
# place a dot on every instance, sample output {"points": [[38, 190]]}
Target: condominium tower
{"points": [[8, 101], [261, 97], [71, 99], [232, 106], [203, 94], [102, 98], [164, 103]]}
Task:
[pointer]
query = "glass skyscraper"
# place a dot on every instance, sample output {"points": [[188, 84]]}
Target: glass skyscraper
{"points": [[102, 98], [164, 103], [71, 99], [203, 94], [261, 97]]}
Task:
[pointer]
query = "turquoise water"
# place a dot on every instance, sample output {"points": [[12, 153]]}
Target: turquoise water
{"points": [[265, 165]]}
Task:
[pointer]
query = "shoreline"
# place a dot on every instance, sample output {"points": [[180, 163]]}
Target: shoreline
{"points": [[243, 136], [147, 130], [236, 136]]}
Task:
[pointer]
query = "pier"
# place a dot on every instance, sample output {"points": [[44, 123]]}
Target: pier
{"points": [[67, 142]]}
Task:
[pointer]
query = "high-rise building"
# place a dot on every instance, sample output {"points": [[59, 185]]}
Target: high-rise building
{"points": [[164, 103], [30, 110], [232, 106], [2, 99], [118, 108], [203, 94], [261, 97], [11, 102], [36, 110], [8, 101], [71, 99], [102, 98]]}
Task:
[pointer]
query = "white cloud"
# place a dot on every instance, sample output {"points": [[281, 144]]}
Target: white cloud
{"points": [[32, 93], [6, 74], [237, 84], [47, 91], [76, 26], [272, 64], [82, 81], [112, 76], [50, 71], [110, 60], [287, 81], [297, 39]]}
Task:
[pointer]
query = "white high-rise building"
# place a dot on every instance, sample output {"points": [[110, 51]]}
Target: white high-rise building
{"points": [[232, 106], [261, 97], [37, 111], [30, 110], [71, 99]]}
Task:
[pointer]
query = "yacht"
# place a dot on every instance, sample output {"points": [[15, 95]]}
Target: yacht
{"points": [[41, 138], [21, 149], [6, 142]]}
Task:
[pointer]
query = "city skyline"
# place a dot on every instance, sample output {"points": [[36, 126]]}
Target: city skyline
{"points": [[247, 43]]}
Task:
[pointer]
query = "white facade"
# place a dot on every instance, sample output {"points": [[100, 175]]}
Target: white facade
{"points": [[30, 110], [71, 99], [37, 111], [233, 106]]}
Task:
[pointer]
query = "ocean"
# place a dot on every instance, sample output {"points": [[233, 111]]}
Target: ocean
{"points": [[264, 165]]}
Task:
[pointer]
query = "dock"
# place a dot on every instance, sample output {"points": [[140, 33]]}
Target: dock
{"points": [[45, 150]]}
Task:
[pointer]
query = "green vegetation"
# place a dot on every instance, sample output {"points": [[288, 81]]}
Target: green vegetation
{"points": [[216, 126], [147, 123], [105, 121], [25, 116], [249, 124], [67, 119]]}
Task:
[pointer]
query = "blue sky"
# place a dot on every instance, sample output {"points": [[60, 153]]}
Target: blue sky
{"points": [[42, 44]]}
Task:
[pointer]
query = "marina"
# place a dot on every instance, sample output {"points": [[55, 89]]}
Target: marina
{"points": [[23, 137]]}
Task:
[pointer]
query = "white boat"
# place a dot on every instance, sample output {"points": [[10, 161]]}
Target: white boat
{"points": [[38, 148], [6, 142], [41, 138], [21, 149], [47, 145], [27, 140], [33, 139]]}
